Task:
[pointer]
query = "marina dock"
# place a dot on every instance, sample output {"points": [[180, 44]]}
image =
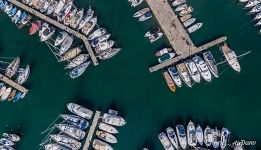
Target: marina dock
{"points": [[13, 84], [176, 33], [187, 54], [59, 25], [92, 129]]}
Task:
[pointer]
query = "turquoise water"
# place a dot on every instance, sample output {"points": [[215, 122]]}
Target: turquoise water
{"points": [[125, 84]]}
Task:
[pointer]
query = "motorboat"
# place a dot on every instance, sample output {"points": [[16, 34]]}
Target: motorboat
{"points": [[172, 137], [54, 147], [163, 51], [87, 17], [165, 141], [104, 45], [141, 12], [60, 38], [6, 94], [97, 33], [154, 37], [79, 110], [191, 134], [152, 31], [181, 133], [16, 16], [208, 136], [12, 137], [109, 53], [11, 95], [44, 26], [258, 16], [71, 130], [107, 137], [2, 91], [24, 21], [4, 147], [113, 120], [13, 67], [77, 18], [256, 9], [169, 81], [183, 72], [193, 70], [252, 3], [52, 7], [211, 63], [175, 75], [146, 16], [66, 141], [194, 27], [6, 142], [202, 68], [216, 138], [100, 39], [70, 54], [47, 34], [200, 135], [89, 26], [185, 18], [17, 97], [59, 7], [108, 128], [12, 12], [77, 61], [100, 145], [178, 2], [23, 75], [181, 7], [224, 138], [69, 18], [186, 11], [76, 121], [79, 70], [189, 22], [166, 57], [135, 3], [231, 57]]}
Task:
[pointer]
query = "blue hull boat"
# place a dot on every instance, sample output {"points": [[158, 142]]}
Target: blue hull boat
{"points": [[17, 97]]}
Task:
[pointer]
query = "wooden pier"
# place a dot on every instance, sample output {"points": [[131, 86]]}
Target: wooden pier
{"points": [[187, 54], [59, 25], [92, 129], [13, 84]]}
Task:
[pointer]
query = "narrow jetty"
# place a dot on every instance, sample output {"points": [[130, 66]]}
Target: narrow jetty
{"points": [[92, 129], [58, 25], [171, 26], [13, 84], [187, 54]]}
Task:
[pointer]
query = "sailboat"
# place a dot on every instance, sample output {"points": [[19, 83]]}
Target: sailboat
{"points": [[231, 57], [13, 67], [71, 54], [86, 18], [23, 75]]}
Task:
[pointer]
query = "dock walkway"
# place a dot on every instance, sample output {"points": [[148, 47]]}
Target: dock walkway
{"points": [[92, 129], [59, 25], [187, 54], [171, 26], [13, 84]]}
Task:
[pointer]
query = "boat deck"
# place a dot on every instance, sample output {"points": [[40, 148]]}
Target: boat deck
{"points": [[187, 54], [13, 84], [59, 25], [92, 129]]}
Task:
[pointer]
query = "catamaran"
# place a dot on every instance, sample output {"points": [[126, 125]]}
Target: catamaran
{"points": [[165, 141], [172, 137], [193, 71], [202, 68], [169, 81], [211, 62], [231, 57], [141, 12], [191, 134], [184, 74], [175, 75]]}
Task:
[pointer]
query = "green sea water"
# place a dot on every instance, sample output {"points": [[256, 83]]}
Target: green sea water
{"points": [[124, 82]]}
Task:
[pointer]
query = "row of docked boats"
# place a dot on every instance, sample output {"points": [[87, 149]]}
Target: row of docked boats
{"points": [[19, 17], [8, 141], [255, 8], [192, 70], [71, 129], [193, 137], [9, 93], [76, 18], [184, 11]]}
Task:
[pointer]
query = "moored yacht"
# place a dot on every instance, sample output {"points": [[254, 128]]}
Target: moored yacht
{"points": [[4, 147], [70, 54], [89, 26], [185, 18], [200, 135], [172, 137], [100, 145], [12, 67], [107, 137], [100, 39], [47, 33], [141, 12], [154, 37], [79, 70], [169, 81], [175, 75], [108, 53], [193, 71], [75, 120], [189, 22], [51, 8], [181, 7], [79, 110], [77, 61], [54, 147], [181, 133], [208, 136], [216, 138], [87, 17], [211, 63], [66, 44], [23, 75], [16, 16], [104, 45], [256, 9], [97, 33], [60, 38], [135, 3], [59, 7], [166, 57], [202, 68], [186, 11], [191, 134], [194, 27], [178, 2], [184, 74], [152, 31], [231, 57], [108, 128], [113, 120], [66, 141], [146, 16], [6, 142], [258, 16], [165, 141], [12, 137], [77, 18], [163, 51], [71, 130], [224, 138]]}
